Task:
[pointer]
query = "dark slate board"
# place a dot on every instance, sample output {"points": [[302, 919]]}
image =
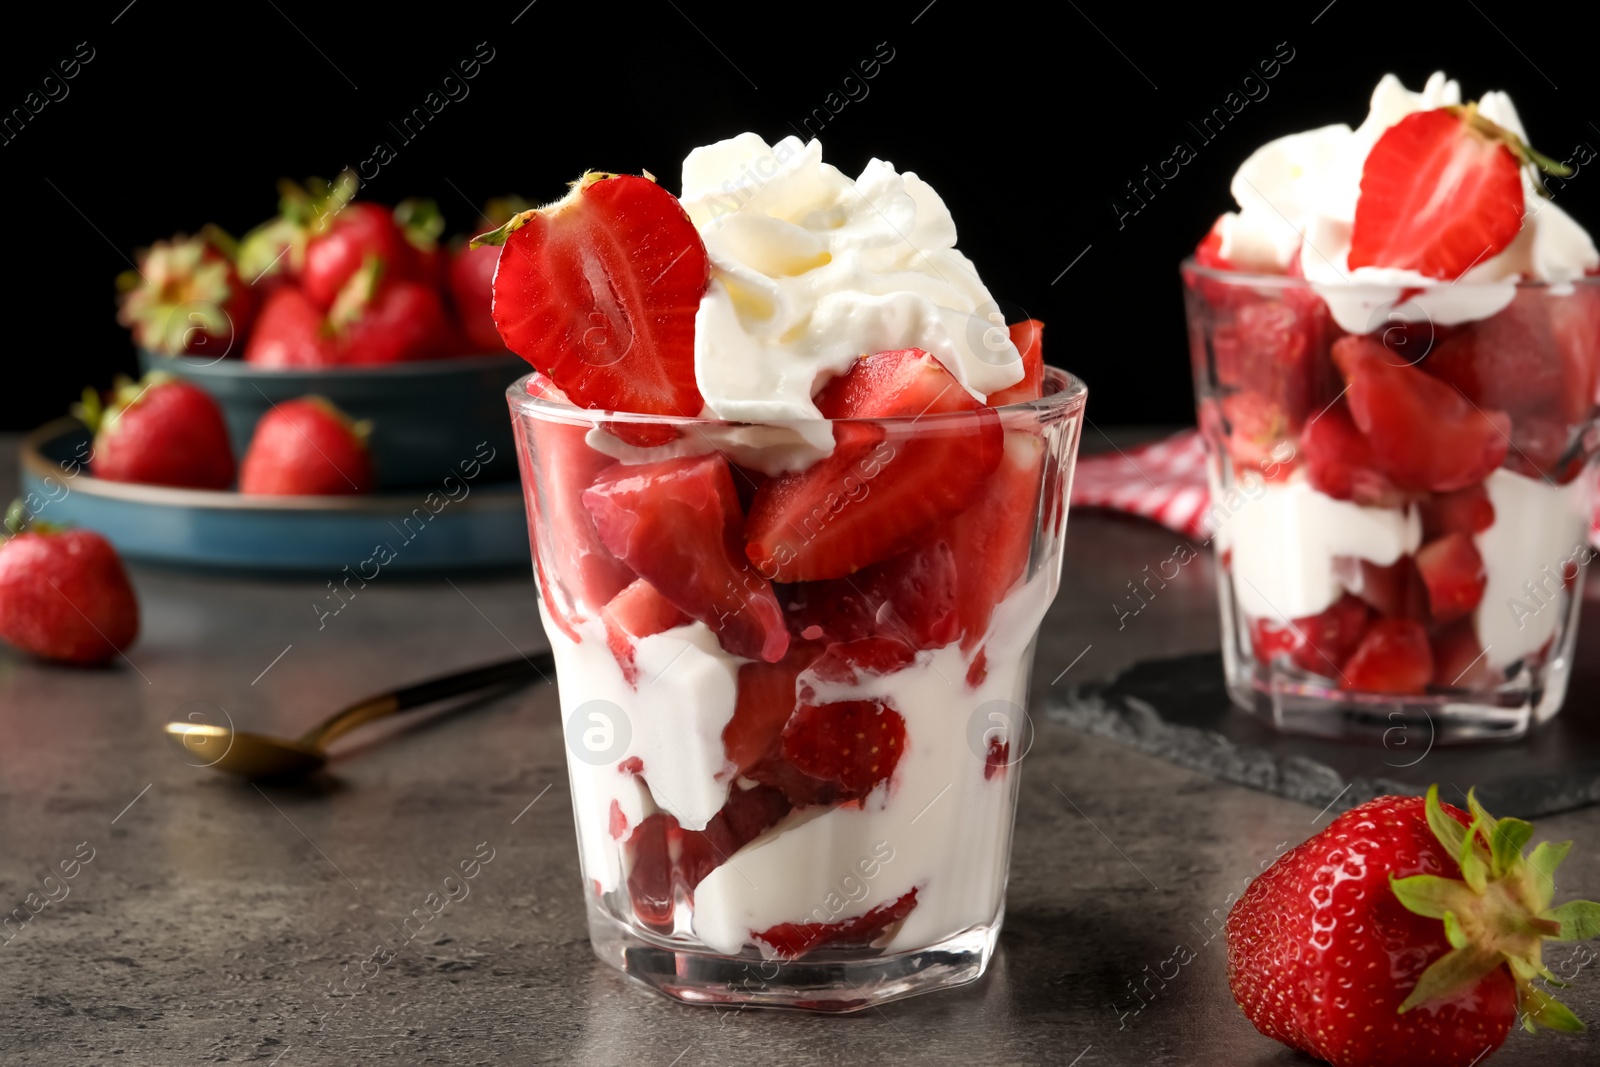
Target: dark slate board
{"points": [[1178, 709]]}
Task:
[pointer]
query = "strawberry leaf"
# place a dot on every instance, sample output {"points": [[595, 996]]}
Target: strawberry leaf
{"points": [[1510, 837], [1453, 932], [1579, 919], [1449, 833], [1539, 1007], [1453, 971], [1473, 869], [1542, 864], [1432, 896]]}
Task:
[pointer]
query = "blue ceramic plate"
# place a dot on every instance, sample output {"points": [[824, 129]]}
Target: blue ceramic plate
{"points": [[461, 520], [426, 416]]}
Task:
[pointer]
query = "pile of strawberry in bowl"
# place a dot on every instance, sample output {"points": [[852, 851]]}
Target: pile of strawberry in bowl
{"points": [[1396, 348], [339, 321]]}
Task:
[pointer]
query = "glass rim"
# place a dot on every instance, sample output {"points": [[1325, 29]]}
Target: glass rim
{"points": [[1069, 395], [1256, 280]]}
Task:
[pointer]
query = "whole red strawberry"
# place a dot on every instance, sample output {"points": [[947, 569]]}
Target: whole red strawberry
{"points": [[307, 447], [159, 431], [186, 298], [361, 231], [64, 595], [471, 280], [379, 319], [1398, 905], [291, 332]]}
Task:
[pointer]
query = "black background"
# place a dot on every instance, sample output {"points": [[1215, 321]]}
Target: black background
{"points": [[1027, 120]]}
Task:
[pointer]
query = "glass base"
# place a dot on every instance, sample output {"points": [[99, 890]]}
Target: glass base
{"points": [[841, 981]]}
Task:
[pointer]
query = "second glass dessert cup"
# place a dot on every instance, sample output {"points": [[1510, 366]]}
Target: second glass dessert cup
{"points": [[796, 793], [1402, 486]]}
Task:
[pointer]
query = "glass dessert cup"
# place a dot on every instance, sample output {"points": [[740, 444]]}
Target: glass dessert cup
{"points": [[1401, 486], [736, 848]]}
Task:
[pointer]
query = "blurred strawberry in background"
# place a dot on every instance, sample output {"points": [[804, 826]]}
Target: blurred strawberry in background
{"points": [[64, 594], [185, 298], [307, 447], [160, 430]]}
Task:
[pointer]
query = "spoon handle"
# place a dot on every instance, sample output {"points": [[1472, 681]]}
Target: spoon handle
{"points": [[434, 689]]}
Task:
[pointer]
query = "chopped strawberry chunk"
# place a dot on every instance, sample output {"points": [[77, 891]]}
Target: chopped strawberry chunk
{"points": [[853, 743], [1270, 348], [792, 940], [1317, 643], [848, 661], [580, 574], [747, 815], [1453, 571], [978, 670], [993, 537], [650, 876], [1458, 658], [1575, 327], [1439, 194], [677, 524], [766, 698], [637, 611], [619, 821], [883, 488], [1425, 435], [1508, 360], [1208, 253], [1396, 591], [1253, 427], [911, 598], [1339, 460], [996, 758], [1393, 657], [1029, 338], [1468, 511], [600, 291]]}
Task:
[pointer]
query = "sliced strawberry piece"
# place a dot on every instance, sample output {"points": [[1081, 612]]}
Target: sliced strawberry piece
{"points": [[1453, 571], [1468, 511], [1253, 426], [1270, 348], [766, 699], [1028, 336], [638, 611], [1339, 460], [1507, 361], [564, 466], [618, 823], [1317, 643], [1424, 434], [792, 940], [1393, 657], [882, 489], [1441, 191], [849, 661], [978, 670], [996, 758], [1458, 659], [747, 815], [853, 743], [677, 524], [650, 877], [1396, 591], [1208, 253], [992, 538], [1575, 327], [910, 598], [600, 290]]}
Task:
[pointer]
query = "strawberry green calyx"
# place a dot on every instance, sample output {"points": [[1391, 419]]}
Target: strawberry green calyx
{"points": [[421, 222], [19, 519], [497, 236], [279, 244], [91, 410], [99, 413], [179, 283], [357, 294], [1498, 913], [360, 429], [1493, 131]]}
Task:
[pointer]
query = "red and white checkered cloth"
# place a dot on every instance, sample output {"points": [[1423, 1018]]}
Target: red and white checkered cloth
{"points": [[1166, 481]]}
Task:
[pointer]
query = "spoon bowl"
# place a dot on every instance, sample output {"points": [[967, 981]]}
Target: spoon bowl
{"points": [[243, 753]]}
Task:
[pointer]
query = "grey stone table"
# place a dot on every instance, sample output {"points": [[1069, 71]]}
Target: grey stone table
{"points": [[208, 920]]}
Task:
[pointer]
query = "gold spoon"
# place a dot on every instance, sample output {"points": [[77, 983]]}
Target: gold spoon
{"points": [[259, 756]]}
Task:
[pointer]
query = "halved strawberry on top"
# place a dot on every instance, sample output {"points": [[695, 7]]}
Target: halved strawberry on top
{"points": [[1441, 191], [677, 524], [1424, 434], [881, 490], [599, 291]]}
